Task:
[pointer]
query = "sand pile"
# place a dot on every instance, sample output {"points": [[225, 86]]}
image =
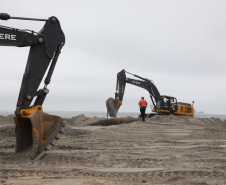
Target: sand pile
{"points": [[7, 126], [6, 120], [162, 150], [211, 123], [82, 120]]}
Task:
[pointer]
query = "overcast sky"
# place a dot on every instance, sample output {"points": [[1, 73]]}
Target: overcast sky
{"points": [[179, 44]]}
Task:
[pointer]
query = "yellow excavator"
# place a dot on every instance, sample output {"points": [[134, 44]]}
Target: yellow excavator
{"points": [[162, 104], [36, 132]]}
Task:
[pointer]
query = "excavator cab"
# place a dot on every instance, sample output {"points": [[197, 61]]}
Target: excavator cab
{"points": [[36, 131], [166, 104], [169, 105]]}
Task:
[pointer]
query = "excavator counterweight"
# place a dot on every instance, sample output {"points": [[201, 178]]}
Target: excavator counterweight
{"points": [[36, 131]]}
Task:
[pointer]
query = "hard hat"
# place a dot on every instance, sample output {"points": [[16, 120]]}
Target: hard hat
{"points": [[142, 96]]}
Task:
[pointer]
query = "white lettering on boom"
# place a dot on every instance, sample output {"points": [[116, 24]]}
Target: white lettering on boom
{"points": [[7, 36]]}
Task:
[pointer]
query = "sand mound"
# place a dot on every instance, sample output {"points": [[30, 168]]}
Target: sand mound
{"points": [[208, 123], [7, 130], [162, 150], [165, 118], [6, 120], [7, 125], [82, 120]]}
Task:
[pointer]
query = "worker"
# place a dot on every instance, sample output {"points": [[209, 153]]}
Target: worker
{"points": [[172, 110], [143, 105]]}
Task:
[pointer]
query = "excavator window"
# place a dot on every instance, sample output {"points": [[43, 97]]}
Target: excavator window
{"points": [[173, 100], [162, 103], [165, 103]]}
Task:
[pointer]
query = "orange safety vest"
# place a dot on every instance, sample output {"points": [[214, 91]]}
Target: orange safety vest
{"points": [[143, 103]]}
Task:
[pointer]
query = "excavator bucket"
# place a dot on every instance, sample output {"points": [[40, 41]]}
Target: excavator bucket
{"points": [[113, 106], [37, 132]]}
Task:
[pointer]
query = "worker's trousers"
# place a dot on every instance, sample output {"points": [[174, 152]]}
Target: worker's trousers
{"points": [[142, 112]]}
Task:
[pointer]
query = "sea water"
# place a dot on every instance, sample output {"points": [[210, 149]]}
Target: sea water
{"points": [[69, 114]]}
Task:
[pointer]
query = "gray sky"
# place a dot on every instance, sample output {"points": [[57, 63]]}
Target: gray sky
{"points": [[179, 44]]}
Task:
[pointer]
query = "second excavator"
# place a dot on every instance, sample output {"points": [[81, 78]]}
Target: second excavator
{"points": [[36, 131], [162, 104]]}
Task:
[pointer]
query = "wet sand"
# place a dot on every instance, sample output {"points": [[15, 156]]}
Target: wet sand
{"points": [[92, 151]]}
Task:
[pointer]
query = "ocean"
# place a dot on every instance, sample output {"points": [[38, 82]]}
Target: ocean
{"points": [[69, 114]]}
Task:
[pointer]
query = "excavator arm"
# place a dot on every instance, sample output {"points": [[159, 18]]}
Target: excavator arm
{"points": [[35, 130], [113, 105]]}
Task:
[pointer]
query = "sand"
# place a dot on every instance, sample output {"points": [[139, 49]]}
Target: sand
{"points": [[95, 151]]}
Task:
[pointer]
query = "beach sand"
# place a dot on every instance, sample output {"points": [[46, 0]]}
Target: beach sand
{"points": [[95, 151]]}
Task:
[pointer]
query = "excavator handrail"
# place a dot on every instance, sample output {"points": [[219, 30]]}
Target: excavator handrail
{"points": [[5, 16]]}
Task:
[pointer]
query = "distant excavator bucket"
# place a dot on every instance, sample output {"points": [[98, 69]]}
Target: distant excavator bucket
{"points": [[37, 132], [113, 106]]}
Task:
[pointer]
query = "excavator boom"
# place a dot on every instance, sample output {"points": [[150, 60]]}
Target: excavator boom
{"points": [[113, 105], [35, 130]]}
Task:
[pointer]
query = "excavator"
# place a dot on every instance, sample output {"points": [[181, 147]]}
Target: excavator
{"points": [[36, 132], [162, 104]]}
